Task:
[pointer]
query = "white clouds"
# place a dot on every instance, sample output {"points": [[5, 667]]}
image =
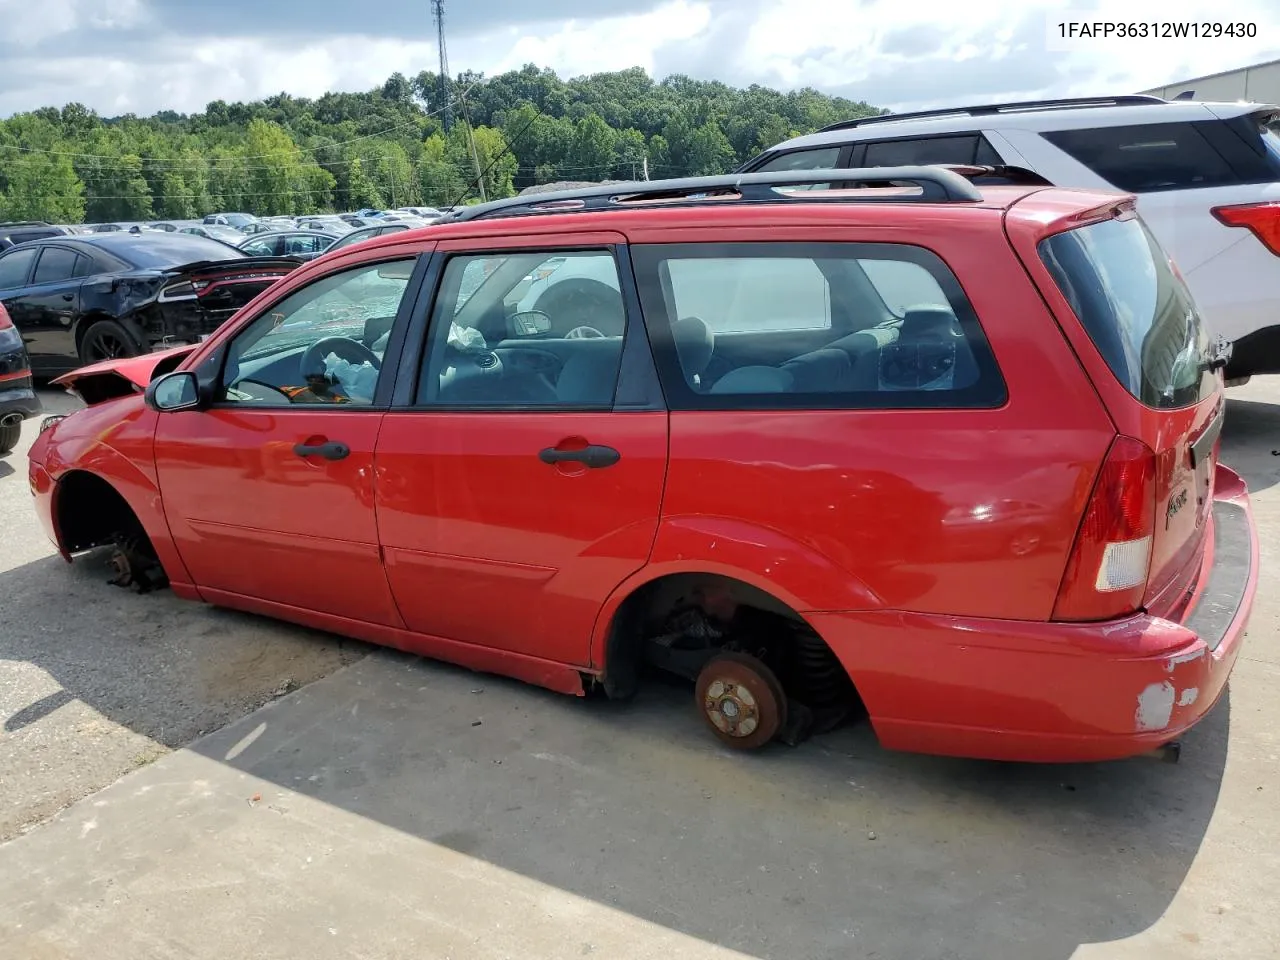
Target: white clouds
{"points": [[31, 22], [111, 54]]}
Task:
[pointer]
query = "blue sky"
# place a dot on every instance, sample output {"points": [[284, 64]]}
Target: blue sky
{"points": [[144, 55]]}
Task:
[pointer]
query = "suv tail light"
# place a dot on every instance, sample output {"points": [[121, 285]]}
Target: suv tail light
{"points": [[1107, 572], [1262, 218]]}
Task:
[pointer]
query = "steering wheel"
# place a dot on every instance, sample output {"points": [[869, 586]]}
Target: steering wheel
{"points": [[352, 351], [584, 333], [577, 300]]}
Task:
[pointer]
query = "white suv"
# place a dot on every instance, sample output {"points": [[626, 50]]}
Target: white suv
{"points": [[1207, 178]]}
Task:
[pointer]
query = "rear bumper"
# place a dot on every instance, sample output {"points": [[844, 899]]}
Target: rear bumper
{"points": [[1058, 692], [18, 398]]}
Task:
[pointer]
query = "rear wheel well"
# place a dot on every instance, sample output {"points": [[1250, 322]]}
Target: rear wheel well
{"points": [[91, 512], [749, 617]]}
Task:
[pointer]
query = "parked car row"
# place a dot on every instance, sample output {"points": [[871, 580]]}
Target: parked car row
{"points": [[84, 298]]}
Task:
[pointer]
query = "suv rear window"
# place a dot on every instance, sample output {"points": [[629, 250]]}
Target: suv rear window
{"points": [[1148, 157], [1137, 311]]}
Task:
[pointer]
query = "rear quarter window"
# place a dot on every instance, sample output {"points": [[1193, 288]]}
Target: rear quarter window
{"points": [[1148, 157], [1136, 310], [812, 326]]}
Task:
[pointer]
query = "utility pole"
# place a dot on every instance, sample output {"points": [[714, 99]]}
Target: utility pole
{"points": [[442, 81]]}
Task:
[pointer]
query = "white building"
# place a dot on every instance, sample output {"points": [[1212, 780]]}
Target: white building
{"points": [[1259, 83]]}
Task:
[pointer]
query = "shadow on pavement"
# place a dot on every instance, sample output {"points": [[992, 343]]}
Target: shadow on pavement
{"points": [[834, 849], [1250, 434]]}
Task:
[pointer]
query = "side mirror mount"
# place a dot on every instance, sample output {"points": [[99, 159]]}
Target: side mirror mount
{"points": [[179, 390]]}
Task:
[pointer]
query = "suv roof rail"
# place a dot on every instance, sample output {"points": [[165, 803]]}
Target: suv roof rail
{"points": [[987, 109], [25, 223], [936, 183]]}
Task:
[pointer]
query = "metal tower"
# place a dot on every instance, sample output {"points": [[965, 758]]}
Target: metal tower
{"points": [[442, 82]]}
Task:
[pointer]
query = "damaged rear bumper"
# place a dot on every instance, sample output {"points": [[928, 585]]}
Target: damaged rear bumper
{"points": [[1058, 692]]}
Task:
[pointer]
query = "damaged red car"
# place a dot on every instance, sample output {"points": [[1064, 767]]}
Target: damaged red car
{"points": [[942, 456]]}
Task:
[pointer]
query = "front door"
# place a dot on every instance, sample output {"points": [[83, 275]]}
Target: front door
{"points": [[514, 492], [269, 492]]}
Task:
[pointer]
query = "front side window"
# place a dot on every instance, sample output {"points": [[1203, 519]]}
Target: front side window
{"points": [[323, 343], [532, 329], [824, 158], [1137, 311], [813, 325], [15, 267]]}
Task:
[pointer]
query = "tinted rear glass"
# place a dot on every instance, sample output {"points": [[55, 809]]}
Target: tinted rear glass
{"points": [[1149, 156], [162, 250], [1136, 310]]}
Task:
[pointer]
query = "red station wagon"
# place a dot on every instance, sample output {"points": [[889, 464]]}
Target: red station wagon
{"points": [[900, 445]]}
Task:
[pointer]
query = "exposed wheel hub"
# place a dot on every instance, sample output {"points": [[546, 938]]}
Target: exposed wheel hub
{"points": [[732, 708], [741, 700]]}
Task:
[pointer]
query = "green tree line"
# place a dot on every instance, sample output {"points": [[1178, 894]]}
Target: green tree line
{"points": [[403, 144]]}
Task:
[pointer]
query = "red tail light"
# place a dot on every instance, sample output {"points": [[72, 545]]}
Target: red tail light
{"points": [[5, 322], [1107, 572], [1262, 218]]}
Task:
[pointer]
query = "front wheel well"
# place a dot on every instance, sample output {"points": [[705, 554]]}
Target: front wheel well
{"points": [[739, 615], [90, 512]]}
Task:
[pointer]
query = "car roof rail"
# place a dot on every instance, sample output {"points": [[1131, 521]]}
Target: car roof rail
{"points": [[936, 184], [25, 223], [990, 109]]}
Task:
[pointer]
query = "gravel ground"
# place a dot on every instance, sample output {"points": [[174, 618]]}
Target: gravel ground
{"points": [[95, 680]]}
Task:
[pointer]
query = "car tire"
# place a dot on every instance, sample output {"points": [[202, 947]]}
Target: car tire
{"points": [[107, 340], [9, 434]]}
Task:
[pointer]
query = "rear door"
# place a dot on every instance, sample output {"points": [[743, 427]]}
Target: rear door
{"points": [[521, 470], [1157, 378]]}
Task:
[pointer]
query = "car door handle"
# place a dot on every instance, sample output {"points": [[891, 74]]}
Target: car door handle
{"points": [[68, 297], [330, 450], [593, 456]]}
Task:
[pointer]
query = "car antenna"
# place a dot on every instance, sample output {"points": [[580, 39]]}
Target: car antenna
{"points": [[501, 153]]}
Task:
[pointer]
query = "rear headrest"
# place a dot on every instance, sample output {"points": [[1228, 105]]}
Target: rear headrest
{"points": [[695, 343], [928, 322]]}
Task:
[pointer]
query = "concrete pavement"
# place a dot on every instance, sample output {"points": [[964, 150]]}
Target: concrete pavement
{"points": [[401, 808]]}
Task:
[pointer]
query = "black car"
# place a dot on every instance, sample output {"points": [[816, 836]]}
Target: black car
{"points": [[303, 244], [12, 234], [81, 299], [17, 398]]}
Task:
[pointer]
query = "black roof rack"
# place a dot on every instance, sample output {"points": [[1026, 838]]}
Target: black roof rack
{"points": [[988, 109], [937, 185]]}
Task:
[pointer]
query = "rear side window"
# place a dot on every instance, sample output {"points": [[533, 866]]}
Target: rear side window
{"points": [[1148, 157], [56, 263], [1136, 310], [892, 153], [812, 325]]}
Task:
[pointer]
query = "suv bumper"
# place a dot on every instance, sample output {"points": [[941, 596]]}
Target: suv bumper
{"points": [[1058, 692]]}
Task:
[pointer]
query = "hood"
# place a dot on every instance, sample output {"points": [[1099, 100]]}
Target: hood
{"points": [[109, 379]]}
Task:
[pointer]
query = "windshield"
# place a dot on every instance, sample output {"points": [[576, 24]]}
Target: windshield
{"points": [[1136, 309]]}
